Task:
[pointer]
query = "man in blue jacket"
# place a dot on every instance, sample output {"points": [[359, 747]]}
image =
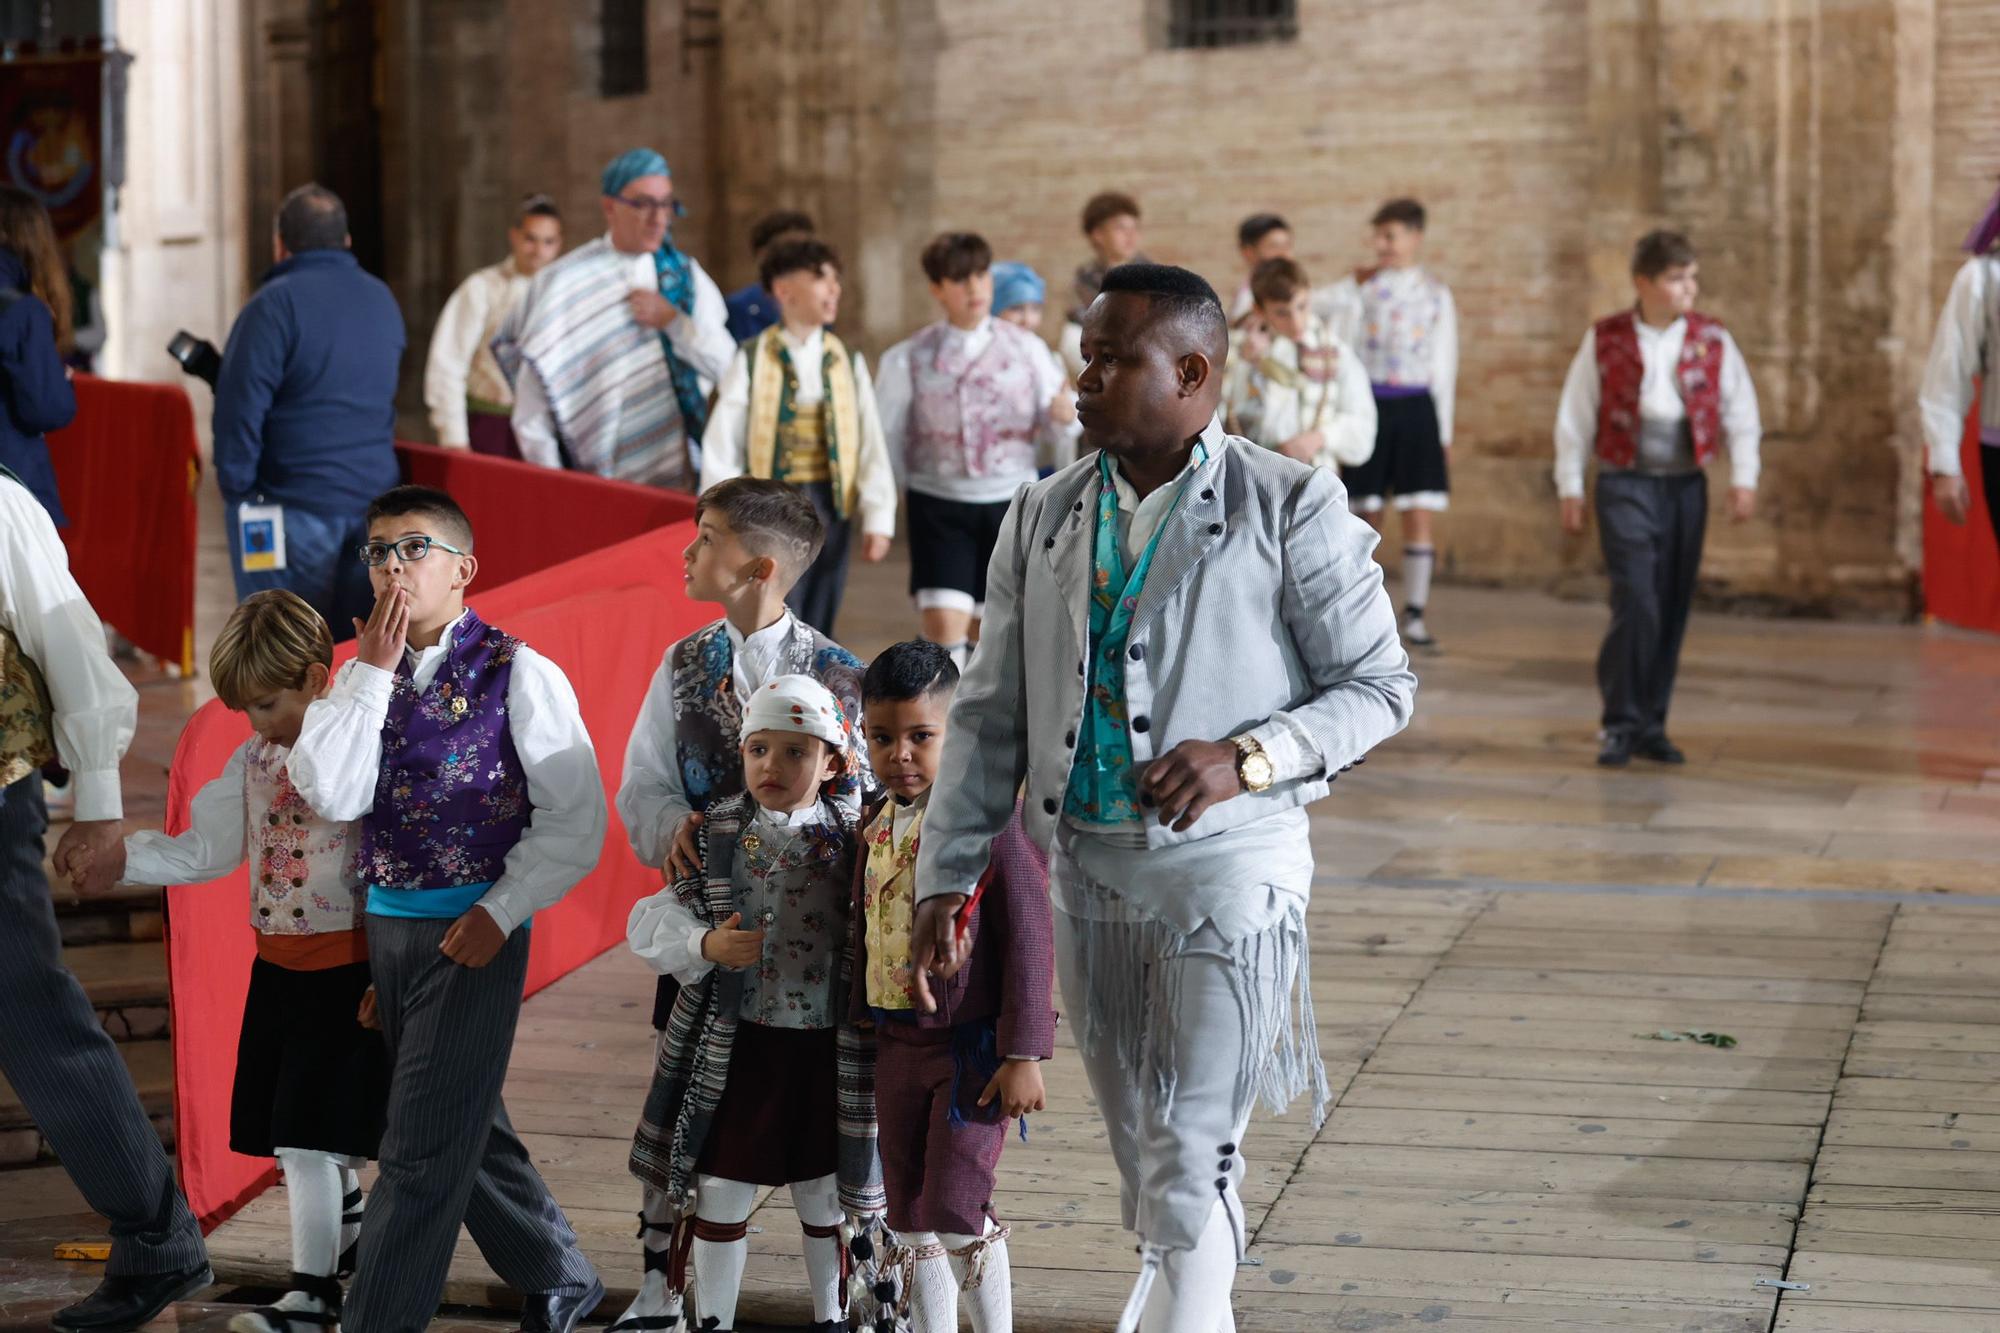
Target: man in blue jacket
{"points": [[305, 415]]}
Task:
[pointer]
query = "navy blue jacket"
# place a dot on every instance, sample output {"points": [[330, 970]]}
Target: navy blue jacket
{"points": [[751, 311], [35, 394], [305, 408]]}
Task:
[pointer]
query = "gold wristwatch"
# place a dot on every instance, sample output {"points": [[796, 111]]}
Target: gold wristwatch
{"points": [[1253, 766]]}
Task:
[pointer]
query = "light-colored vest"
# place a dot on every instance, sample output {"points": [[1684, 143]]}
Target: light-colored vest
{"points": [[974, 417], [27, 718], [302, 874], [773, 414]]}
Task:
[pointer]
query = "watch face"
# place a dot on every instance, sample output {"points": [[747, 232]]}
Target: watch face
{"points": [[1257, 772]]}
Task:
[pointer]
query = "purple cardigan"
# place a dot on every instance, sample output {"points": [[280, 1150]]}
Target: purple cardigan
{"points": [[1010, 973]]}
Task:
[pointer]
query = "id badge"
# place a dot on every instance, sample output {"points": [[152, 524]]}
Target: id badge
{"points": [[261, 534]]}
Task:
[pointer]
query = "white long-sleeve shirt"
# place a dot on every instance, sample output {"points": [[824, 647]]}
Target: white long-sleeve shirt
{"points": [[96, 708], [1659, 403], [652, 795], [461, 361], [338, 759], [213, 844], [1967, 344], [1271, 400], [1387, 320], [725, 444], [663, 932], [700, 339]]}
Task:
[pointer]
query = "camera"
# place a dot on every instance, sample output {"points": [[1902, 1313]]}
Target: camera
{"points": [[197, 356]]}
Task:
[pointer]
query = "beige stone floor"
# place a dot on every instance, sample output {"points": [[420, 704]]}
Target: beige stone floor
{"points": [[1502, 932]]}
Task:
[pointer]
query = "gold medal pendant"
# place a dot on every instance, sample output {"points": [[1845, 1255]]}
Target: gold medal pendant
{"points": [[458, 705]]}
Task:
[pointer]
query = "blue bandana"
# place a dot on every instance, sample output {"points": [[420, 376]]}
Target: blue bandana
{"points": [[629, 166], [1017, 284]]}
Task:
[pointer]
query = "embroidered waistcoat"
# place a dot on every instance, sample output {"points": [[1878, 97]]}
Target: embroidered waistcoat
{"points": [[787, 442], [974, 417], [302, 878], [1397, 327], [794, 884], [452, 799], [1621, 372], [888, 908], [27, 718]]}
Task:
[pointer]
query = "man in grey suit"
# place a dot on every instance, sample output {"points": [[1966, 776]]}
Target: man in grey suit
{"points": [[60, 691], [1186, 638]]}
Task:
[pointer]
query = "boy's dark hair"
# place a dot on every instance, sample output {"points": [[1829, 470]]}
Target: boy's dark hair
{"points": [[1658, 251], [956, 256], [1276, 281], [781, 223], [424, 502], [312, 218], [799, 253], [1180, 295], [536, 206], [909, 670], [771, 519], [1105, 206], [1406, 211], [1257, 226]]}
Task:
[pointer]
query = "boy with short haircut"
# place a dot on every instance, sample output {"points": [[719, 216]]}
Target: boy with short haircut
{"points": [[760, 1079], [752, 308], [470, 401], [1259, 237], [461, 751], [753, 539], [311, 1081], [1653, 391], [949, 1073], [1401, 320], [797, 406], [966, 403], [1111, 225], [1291, 385]]}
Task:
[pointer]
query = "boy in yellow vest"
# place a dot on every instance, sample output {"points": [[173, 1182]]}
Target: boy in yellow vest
{"points": [[797, 405]]}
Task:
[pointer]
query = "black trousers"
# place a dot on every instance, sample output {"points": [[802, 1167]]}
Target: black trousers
{"points": [[1989, 468], [815, 599], [1651, 528]]}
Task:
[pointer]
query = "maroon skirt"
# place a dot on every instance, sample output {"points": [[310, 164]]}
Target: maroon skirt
{"points": [[777, 1122]]}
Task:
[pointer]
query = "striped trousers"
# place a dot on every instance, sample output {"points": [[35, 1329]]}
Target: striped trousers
{"points": [[66, 1070], [449, 1152]]}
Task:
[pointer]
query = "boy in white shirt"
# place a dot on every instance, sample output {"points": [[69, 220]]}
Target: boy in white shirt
{"points": [[1966, 347], [469, 398], [797, 406], [1291, 385], [1652, 392]]}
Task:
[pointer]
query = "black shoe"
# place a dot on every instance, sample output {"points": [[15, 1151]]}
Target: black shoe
{"points": [[1661, 750], [559, 1311], [127, 1302], [1616, 752]]}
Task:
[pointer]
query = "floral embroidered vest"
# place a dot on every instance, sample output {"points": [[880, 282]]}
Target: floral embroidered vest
{"points": [[302, 878], [1621, 372], [452, 799], [27, 718], [796, 885], [889, 908], [974, 417], [1397, 326]]}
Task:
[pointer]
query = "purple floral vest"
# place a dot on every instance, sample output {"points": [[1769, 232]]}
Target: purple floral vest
{"points": [[452, 800]]}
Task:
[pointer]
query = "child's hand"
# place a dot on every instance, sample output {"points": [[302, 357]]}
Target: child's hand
{"points": [[474, 939], [874, 548], [1018, 1085], [684, 860], [1062, 408], [368, 1015], [729, 947], [1572, 514], [91, 856], [1304, 447], [380, 642]]}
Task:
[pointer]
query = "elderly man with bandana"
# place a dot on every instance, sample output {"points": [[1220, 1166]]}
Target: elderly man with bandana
{"points": [[614, 349]]}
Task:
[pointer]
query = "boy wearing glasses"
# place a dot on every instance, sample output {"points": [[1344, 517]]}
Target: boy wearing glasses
{"points": [[615, 347], [462, 753]]}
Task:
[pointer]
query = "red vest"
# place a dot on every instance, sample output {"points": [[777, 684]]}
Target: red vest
{"points": [[1620, 372]]}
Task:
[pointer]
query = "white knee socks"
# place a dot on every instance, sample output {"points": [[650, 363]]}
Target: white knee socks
{"points": [[656, 1307], [314, 1188], [722, 1210], [931, 1290], [352, 1205], [817, 1203], [1418, 562], [986, 1277]]}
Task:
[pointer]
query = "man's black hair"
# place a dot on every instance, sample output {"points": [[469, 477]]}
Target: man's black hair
{"points": [[1180, 295], [781, 223], [424, 502], [808, 253], [909, 670], [312, 218], [1257, 226]]}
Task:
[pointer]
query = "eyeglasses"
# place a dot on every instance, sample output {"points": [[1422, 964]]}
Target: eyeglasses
{"points": [[407, 549], [650, 208]]}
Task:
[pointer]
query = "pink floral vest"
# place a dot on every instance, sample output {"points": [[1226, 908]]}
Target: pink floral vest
{"points": [[974, 418], [302, 875]]}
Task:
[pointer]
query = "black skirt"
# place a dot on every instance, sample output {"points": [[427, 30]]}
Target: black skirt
{"points": [[951, 543], [777, 1121], [1409, 452], [308, 1075]]}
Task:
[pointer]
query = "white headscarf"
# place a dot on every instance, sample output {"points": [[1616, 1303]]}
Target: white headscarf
{"points": [[801, 705]]}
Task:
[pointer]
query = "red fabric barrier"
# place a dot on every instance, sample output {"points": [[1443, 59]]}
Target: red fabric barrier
{"points": [[605, 618], [127, 468], [1962, 564]]}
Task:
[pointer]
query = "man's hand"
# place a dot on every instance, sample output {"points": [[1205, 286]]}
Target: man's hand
{"points": [[1018, 1085], [1185, 781], [1742, 503], [651, 309], [936, 947], [729, 946], [874, 548], [369, 1015], [474, 939], [1572, 514], [1304, 446], [379, 643], [1062, 408], [684, 858], [91, 856], [1954, 498]]}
